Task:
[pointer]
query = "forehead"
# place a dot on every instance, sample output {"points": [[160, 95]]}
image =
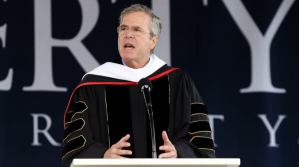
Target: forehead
{"points": [[140, 19]]}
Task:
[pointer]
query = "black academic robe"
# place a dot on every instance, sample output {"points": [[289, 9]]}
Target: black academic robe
{"points": [[102, 110]]}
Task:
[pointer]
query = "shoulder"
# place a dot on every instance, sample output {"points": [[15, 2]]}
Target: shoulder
{"points": [[180, 75]]}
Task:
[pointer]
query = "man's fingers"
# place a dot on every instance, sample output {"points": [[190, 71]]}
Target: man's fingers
{"points": [[116, 149], [120, 145], [121, 152], [166, 148], [122, 142], [117, 153], [165, 137], [125, 138], [168, 155]]}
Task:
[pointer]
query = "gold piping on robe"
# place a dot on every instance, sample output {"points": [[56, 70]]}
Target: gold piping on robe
{"points": [[79, 112], [199, 121], [199, 132], [207, 149], [199, 114], [107, 118], [77, 129], [168, 89], [198, 103], [200, 137], [76, 148]]}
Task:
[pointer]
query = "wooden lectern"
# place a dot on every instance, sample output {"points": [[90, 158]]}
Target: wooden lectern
{"points": [[148, 162]]}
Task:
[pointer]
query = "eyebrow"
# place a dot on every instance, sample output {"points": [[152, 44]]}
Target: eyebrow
{"points": [[123, 26], [132, 27]]}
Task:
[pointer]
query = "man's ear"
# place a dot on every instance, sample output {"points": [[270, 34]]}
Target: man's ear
{"points": [[154, 42]]}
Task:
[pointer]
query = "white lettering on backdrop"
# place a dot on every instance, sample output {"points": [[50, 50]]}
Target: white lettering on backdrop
{"points": [[44, 131], [5, 85], [162, 9], [259, 44], [43, 76], [272, 131], [211, 121]]}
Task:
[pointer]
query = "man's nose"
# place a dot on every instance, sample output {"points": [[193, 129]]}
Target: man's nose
{"points": [[129, 33]]}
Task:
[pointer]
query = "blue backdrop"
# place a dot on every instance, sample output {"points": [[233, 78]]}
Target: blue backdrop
{"points": [[242, 55]]}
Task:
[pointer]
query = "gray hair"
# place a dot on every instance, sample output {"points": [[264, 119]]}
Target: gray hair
{"points": [[156, 23]]}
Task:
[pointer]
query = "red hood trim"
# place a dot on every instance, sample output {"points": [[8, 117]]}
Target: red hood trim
{"points": [[112, 83]]}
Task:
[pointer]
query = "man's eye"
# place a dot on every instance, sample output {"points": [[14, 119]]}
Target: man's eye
{"points": [[123, 29], [138, 30]]}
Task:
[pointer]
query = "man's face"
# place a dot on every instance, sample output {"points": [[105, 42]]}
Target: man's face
{"points": [[135, 48]]}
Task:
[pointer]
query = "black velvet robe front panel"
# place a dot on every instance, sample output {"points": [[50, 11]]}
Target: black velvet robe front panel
{"points": [[112, 111], [127, 115]]}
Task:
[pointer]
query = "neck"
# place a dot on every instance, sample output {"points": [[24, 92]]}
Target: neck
{"points": [[137, 64]]}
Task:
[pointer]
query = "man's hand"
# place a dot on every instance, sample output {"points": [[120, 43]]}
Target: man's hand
{"points": [[115, 151], [168, 147]]}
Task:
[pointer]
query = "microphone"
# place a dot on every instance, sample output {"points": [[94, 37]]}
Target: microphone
{"points": [[146, 87]]}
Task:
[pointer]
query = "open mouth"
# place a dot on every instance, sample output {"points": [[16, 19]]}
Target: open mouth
{"points": [[129, 46]]}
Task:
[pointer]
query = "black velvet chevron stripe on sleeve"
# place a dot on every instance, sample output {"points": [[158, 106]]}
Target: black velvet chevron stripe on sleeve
{"points": [[74, 140], [198, 108], [202, 142], [73, 145], [74, 126], [199, 126], [80, 107], [199, 129]]}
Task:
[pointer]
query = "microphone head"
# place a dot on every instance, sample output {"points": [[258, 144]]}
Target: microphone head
{"points": [[145, 84]]}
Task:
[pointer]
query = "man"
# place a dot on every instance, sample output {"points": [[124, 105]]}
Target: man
{"points": [[106, 116]]}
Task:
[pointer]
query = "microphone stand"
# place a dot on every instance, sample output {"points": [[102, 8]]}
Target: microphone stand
{"points": [[151, 118]]}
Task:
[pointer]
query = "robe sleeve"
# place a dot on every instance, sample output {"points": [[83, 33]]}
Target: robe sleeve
{"points": [[79, 140], [192, 132]]}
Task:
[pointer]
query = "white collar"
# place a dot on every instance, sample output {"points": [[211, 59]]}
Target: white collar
{"points": [[123, 72], [142, 67]]}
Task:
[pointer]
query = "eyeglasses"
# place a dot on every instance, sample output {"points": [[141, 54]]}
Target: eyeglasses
{"points": [[137, 31]]}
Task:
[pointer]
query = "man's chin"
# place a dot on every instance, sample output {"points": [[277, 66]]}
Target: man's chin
{"points": [[127, 56]]}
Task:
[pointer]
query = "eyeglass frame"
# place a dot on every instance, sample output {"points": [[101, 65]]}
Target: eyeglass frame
{"points": [[134, 30]]}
